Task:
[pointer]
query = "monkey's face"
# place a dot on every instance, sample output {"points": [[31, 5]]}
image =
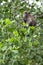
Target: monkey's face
{"points": [[27, 18]]}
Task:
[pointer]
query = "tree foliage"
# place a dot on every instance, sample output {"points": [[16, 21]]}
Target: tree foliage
{"points": [[20, 44]]}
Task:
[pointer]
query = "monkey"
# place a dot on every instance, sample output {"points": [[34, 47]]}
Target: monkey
{"points": [[29, 19]]}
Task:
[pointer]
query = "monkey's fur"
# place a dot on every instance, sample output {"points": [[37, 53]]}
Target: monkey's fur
{"points": [[29, 19]]}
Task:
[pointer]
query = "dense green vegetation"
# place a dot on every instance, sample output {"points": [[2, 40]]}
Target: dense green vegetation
{"points": [[20, 44]]}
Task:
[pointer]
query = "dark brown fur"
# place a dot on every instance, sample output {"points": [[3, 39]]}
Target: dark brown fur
{"points": [[29, 19]]}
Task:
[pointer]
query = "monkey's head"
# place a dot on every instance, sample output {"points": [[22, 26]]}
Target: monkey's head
{"points": [[26, 14]]}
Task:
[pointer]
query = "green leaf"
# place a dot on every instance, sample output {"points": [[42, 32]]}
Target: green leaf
{"points": [[1, 44], [23, 30], [11, 39], [32, 27], [34, 36], [6, 0], [7, 21], [35, 43], [15, 33]]}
